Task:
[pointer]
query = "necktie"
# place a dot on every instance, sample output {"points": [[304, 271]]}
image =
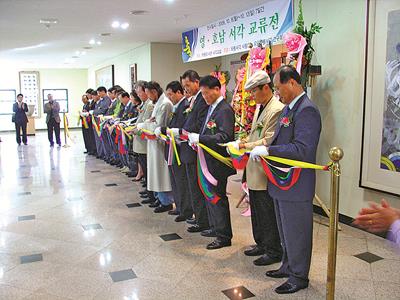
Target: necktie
{"points": [[210, 110]]}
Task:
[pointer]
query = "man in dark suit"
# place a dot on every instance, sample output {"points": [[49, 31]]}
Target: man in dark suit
{"points": [[196, 113], [92, 96], [83, 115], [100, 109], [217, 128], [52, 109], [296, 137], [20, 119], [183, 206]]}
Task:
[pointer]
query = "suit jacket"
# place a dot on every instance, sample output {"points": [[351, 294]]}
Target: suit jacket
{"points": [[129, 112], [52, 111], [261, 133], [139, 145], [194, 124], [157, 168], [224, 117], [298, 141], [102, 106], [177, 121], [20, 113]]}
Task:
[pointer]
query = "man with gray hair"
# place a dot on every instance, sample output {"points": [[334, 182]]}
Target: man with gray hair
{"points": [[52, 109]]}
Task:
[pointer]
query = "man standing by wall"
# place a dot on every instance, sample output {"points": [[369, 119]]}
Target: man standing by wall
{"points": [[20, 119], [52, 109]]}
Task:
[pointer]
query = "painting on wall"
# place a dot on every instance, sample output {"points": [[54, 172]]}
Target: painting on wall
{"points": [[105, 77], [29, 86], [380, 167], [133, 75]]}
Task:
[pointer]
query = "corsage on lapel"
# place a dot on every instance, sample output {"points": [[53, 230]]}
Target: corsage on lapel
{"points": [[187, 111], [212, 125], [259, 127], [286, 121]]}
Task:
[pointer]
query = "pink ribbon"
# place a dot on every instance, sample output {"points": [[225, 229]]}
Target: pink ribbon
{"points": [[295, 43], [204, 167]]}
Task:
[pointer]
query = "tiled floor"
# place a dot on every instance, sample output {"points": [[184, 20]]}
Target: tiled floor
{"points": [[70, 228]]}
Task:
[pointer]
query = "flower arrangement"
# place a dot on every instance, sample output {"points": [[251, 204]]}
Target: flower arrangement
{"points": [[223, 76]]}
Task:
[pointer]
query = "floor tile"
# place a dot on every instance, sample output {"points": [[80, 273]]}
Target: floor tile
{"points": [[26, 218], [237, 293], [122, 275], [368, 257], [92, 227], [131, 205], [24, 193], [170, 237], [31, 258]]}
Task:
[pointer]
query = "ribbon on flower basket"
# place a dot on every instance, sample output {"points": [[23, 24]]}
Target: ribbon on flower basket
{"points": [[295, 43]]}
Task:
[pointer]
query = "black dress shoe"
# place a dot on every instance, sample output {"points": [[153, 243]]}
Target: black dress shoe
{"points": [[196, 228], [155, 204], [147, 201], [85, 152], [289, 288], [255, 251], [179, 218], [191, 221], [208, 233], [143, 192], [130, 174], [144, 185], [276, 274], [174, 213], [144, 196], [163, 208], [217, 244], [265, 260]]}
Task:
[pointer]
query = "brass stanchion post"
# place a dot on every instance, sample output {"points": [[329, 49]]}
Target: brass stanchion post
{"points": [[65, 132], [336, 154]]}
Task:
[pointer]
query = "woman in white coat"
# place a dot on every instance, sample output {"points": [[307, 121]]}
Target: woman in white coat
{"points": [[157, 168]]}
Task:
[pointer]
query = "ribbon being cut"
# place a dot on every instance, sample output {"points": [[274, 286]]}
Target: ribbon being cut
{"points": [[283, 178]]}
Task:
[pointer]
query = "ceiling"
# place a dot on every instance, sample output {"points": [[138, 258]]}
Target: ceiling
{"points": [[24, 42]]}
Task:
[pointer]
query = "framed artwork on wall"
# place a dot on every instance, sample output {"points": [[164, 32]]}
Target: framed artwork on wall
{"points": [[7, 99], [380, 157], [59, 95], [29, 86], [105, 77], [133, 75]]}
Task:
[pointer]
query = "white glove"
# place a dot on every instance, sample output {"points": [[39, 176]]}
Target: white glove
{"points": [[234, 144], [175, 131], [140, 126], [258, 151], [193, 138], [85, 114], [157, 131], [91, 112]]}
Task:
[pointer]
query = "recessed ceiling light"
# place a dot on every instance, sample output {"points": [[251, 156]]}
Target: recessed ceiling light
{"points": [[48, 21], [115, 24], [138, 12], [92, 42], [124, 25], [83, 53], [78, 52], [98, 42]]}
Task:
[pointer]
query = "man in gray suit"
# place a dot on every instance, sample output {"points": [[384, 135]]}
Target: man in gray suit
{"points": [[296, 137], [52, 109]]}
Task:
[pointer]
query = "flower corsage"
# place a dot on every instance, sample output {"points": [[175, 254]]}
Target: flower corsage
{"points": [[212, 126]]}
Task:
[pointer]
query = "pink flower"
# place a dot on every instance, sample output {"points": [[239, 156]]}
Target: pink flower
{"points": [[285, 122], [257, 57], [294, 42]]}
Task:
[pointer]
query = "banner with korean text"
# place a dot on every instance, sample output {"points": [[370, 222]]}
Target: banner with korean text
{"points": [[262, 24]]}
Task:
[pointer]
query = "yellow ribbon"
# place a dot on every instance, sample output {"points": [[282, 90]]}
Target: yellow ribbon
{"points": [[285, 161], [225, 160], [173, 144]]}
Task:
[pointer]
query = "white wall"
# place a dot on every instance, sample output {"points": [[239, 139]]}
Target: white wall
{"points": [[75, 80], [339, 94], [167, 64], [140, 55]]}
